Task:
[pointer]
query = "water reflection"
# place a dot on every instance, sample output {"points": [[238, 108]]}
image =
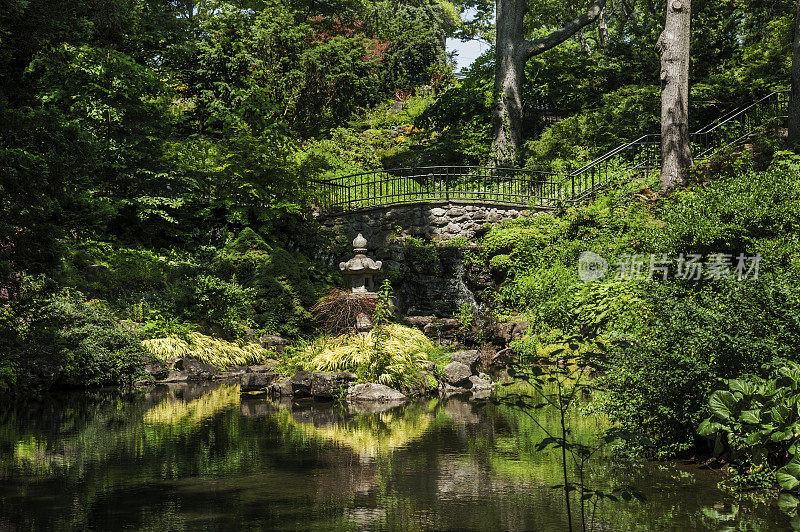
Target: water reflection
{"points": [[187, 456]]}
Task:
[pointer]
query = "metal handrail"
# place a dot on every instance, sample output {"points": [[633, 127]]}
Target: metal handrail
{"points": [[541, 189]]}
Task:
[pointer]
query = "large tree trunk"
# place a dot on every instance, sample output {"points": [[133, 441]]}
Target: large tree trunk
{"points": [[509, 76], [673, 49], [794, 103], [512, 52]]}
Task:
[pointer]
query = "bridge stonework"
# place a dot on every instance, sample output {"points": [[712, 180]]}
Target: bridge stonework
{"points": [[440, 222]]}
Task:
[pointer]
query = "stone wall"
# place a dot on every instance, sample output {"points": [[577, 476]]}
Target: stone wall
{"points": [[429, 280], [435, 221]]}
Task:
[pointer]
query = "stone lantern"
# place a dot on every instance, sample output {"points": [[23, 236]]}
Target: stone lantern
{"points": [[361, 269]]}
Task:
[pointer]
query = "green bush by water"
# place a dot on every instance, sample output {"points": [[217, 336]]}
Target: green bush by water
{"points": [[670, 341]]}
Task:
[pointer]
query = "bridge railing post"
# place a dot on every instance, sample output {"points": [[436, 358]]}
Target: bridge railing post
{"points": [[447, 183], [572, 175]]}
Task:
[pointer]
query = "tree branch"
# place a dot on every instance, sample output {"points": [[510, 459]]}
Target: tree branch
{"points": [[555, 38]]}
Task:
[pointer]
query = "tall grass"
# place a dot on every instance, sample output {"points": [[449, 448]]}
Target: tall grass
{"points": [[219, 353], [395, 356]]}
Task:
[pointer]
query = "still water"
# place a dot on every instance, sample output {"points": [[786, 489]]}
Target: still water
{"points": [[199, 457]]}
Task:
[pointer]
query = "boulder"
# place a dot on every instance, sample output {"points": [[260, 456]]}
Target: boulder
{"points": [[469, 358], [330, 385], [255, 382], [420, 322], [267, 367], [155, 368], [231, 373], [301, 384], [373, 392], [442, 328], [254, 408], [456, 373], [196, 370], [275, 342], [502, 357], [477, 384], [281, 388], [372, 407], [176, 376], [449, 390], [504, 333]]}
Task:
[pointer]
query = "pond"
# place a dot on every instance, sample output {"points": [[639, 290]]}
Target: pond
{"points": [[190, 457]]}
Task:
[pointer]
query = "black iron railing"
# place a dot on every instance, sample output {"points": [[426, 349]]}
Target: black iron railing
{"points": [[536, 189], [477, 184]]}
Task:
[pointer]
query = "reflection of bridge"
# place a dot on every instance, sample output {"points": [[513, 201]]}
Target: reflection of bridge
{"points": [[536, 189]]}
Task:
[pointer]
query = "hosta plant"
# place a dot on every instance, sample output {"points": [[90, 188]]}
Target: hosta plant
{"points": [[757, 422]]}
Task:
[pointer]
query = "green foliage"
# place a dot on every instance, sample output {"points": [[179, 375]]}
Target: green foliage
{"points": [[70, 341], [212, 351], [669, 341], [397, 360], [558, 377], [756, 420], [224, 304]]}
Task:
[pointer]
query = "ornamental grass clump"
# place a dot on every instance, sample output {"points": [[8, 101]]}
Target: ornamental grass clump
{"points": [[219, 353], [396, 359]]}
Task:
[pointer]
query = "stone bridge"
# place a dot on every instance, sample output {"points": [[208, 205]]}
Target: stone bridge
{"points": [[435, 221]]}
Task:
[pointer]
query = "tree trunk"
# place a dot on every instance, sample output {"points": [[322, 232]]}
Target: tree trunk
{"points": [[512, 51], [509, 76], [794, 102], [673, 49]]}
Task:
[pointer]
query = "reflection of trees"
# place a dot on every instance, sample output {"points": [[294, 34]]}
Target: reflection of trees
{"points": [[187, 457], [367, 435], [177, 415]]}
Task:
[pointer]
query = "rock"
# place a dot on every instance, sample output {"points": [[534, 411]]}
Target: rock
{"points": [[420, 322], [504, 333], [502, 357], [457, 373], [469, 358], [363, 323], [176, 376], [231, 373], [94, 271], [268, 367], [196, 370], [330, 385], [373, 392], [301, 384], [461, 412], [254, 382], [275, 342], [449, 390], [155, 368], [281, 388], [254, 408], [478, 384], [442, 328]]}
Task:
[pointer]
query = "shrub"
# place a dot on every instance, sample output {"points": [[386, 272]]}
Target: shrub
{"points": [[397, 360], [337, 312], [755, 419], [216, 303], [81, 343], [214, 351], [660, 379]]}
